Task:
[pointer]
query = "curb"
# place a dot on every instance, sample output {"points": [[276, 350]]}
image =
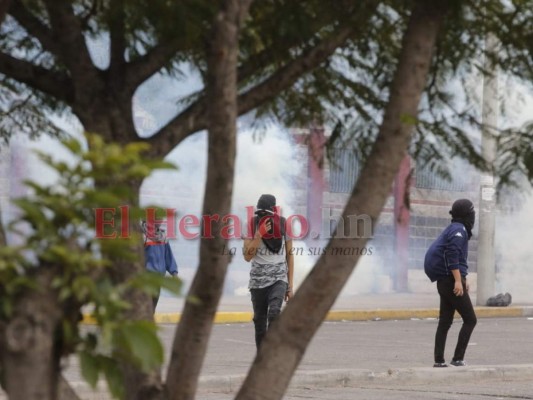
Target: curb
{"points": [[347, 378], [352, 315], [358, 377]]}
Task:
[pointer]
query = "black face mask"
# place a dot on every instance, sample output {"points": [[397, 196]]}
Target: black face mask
{"points": [[266, 209], [468, 221], [463, 211]]}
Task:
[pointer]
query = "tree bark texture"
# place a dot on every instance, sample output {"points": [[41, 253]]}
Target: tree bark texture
{"points": [[3, 237], [138, 384], [28, 344], [285, 344], [4, 6], [65, 391], [194, 330]]}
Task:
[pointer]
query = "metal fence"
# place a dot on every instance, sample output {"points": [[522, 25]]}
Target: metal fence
{"points": [[345, 169]]}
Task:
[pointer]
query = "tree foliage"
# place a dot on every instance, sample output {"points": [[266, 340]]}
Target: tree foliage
{"points": [[279, 75], [331, 63], [328, 62], [57, 224]]}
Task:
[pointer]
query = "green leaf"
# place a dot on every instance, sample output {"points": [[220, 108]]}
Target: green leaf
{"points": [[194, 300], [7, 308], [33, 213], [89, 368], [114, 378], [408, 119], [143, 343], [73, 145], [151, 282], [172, 284]]}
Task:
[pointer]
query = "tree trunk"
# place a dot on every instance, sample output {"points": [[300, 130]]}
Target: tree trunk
{"points": [[3, 237], [286, 342], [28, 343], [139, 385], [4, 6], [194, 330], [65, 391]]}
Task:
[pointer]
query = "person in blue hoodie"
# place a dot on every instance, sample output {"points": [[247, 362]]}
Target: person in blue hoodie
{"points": [[158, 255], [445, 263]]}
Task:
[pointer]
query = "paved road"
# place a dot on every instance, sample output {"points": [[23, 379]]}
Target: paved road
{"points": [[383, 345], [379, 346], [478, 390], [375, 345]]}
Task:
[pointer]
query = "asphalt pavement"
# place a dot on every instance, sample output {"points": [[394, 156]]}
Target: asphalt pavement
{"points": [[374, 360], [371, 346]]}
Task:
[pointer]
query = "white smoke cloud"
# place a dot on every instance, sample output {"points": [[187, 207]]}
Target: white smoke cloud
{"points": [[514, 253]]}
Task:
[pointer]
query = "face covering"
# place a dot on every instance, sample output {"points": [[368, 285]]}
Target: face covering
{"points": [[463, 211], [157, 234], [266, 208]]}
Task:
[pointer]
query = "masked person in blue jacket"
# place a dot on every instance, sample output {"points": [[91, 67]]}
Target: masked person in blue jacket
{"points": [[158, 255], [445, 263]]}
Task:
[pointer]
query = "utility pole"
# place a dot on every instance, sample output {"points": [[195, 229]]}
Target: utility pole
{"points": [[486, 268]]}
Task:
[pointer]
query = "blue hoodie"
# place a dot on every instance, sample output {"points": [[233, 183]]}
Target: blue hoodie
{"points": [[159, 258], [447, 253]]}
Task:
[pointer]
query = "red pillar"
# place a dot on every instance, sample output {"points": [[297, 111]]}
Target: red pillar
{"points": [[316, 184], [315, 141], [402, 185]]}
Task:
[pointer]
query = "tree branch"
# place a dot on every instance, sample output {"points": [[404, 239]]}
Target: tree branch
{"points": [[4, 6], [74, 52], [50, 82], [192, 119], [286, 76], [189, 121], [34, 26], [118, 40], [144, 67], [65, 391], [192, 334], [258, 60], [287, 340]]}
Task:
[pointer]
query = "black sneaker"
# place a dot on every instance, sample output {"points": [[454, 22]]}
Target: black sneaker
{"points": [[458, 363], [440, 365]]}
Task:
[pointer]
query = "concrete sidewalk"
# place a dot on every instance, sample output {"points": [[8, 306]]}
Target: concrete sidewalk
{"points": [[384, 306], [365, 353], [421, 301], [354, 354]]}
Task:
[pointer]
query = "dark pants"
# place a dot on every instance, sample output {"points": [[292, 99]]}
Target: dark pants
{"points": [[449, 303], [267, 304], [155, 299]]}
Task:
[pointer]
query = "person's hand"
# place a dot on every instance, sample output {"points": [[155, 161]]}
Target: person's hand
{"points": [[458, 288], [288, 294], [264, 228]]}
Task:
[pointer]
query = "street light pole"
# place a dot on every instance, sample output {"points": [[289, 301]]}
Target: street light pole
{"points": [[486, 268]]}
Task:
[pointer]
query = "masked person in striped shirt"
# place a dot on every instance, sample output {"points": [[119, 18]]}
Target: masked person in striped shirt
{"points": [[271, 272]]}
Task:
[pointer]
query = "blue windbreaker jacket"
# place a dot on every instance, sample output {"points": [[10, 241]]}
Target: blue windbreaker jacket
{"points": [[159, 258], [448, 252]]}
